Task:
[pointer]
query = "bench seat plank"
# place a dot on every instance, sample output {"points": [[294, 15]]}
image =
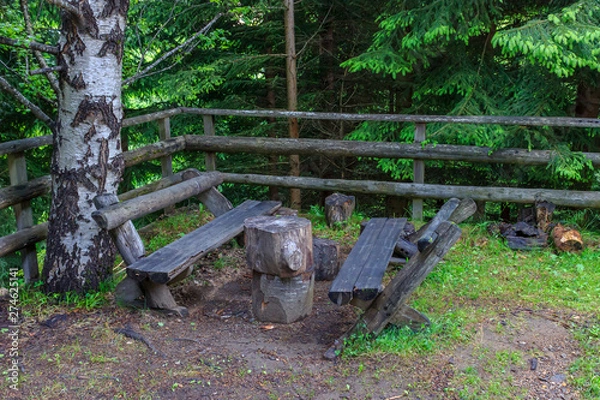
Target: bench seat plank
{"points": [[368, 284], [367, 262], [169, 261]]}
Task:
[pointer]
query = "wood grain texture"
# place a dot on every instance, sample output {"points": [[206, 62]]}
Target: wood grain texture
{"points": [[117, 214], [167, 262], [363, 270], [396, 293], [568, 198]]}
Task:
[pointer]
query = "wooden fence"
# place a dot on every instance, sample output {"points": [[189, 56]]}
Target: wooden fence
{"points": [[21, 191]]}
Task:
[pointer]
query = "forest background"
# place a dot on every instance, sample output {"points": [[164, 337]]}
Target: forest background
{"points": [[449, 57]]}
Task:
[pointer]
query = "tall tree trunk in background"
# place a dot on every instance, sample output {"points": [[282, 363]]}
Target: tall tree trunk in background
{"points": [[587, 105], [87, 158], [271, 77], [292, 95]]}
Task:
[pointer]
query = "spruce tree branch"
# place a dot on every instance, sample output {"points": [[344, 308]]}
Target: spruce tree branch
{"points": [[38, 55], [35, 110], [174, 50], [30, 45], [68, 7]]}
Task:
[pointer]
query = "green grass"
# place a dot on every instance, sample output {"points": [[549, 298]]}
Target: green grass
{"points": [[480, 279]]}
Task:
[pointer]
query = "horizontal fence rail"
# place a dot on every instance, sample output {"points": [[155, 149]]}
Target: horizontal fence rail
{"points": [[21, 191], [422, 119], [567, 198], [340, 148]]}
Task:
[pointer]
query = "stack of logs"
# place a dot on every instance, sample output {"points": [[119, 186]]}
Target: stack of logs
{"points": [[279, 250]]}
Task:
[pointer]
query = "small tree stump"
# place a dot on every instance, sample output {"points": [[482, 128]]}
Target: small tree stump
{"points": [[338, 208], [279, 246], [326, 256], [282, 300], [543, 214]]}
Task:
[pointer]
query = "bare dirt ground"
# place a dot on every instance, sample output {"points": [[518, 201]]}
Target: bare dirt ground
{"points": [[221, 352]]}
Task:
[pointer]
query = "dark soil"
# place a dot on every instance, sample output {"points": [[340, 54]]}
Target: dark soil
{"points": [[221, 352]]}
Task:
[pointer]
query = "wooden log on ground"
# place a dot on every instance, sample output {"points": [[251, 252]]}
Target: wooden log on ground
{"points": [[12, 195], [338, 208], [567, 239], [282, 300], [279, 246], [326, 259], [117, 214], [405, 248], [23, 238]]}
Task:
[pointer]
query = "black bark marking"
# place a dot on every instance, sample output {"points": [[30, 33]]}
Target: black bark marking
{"points": [[73, 44], [98, 111], [78, 83], [113, 43], [101, 259], [89, 20], [91, 133], [120, 6], [101, 169]]}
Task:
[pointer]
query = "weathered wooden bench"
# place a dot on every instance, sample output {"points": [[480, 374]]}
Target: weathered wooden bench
{"points": [[149, 275], [388, 305], [364, 269]]}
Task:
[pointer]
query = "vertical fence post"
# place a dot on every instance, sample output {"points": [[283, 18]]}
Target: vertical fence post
{"points": [[209, 130], [17, 169], [419, 173], [166, 162]]}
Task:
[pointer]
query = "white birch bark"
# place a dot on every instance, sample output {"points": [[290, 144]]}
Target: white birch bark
{"points": [[87, 159]]}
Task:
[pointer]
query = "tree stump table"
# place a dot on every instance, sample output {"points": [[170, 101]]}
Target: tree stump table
{"points": [[279, 250]]}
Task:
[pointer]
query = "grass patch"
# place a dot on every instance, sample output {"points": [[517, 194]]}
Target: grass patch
{"points": [[586, 370]]}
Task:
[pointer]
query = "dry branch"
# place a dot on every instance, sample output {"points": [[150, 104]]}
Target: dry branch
{"points": [[169, 53], [35, 110], [31, 45]]}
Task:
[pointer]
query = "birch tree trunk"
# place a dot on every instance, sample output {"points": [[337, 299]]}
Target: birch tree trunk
{"points": [[87, 158]]}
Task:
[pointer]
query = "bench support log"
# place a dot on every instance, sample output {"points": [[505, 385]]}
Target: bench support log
{"points": [[115, 215], [131, 248], [389, 306]]}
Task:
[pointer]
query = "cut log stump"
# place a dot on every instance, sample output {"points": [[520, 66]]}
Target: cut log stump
{"points": [[338, 208], [280, 246], [326, 257], [567, 239], [282, 300]]}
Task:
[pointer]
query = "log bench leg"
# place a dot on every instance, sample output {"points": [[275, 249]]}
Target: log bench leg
{"points": [[405, 316], [159, 296], [128, 293]]}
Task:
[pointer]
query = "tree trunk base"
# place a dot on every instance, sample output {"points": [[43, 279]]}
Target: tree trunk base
{"points": [[326, 259], [282, 300]]}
